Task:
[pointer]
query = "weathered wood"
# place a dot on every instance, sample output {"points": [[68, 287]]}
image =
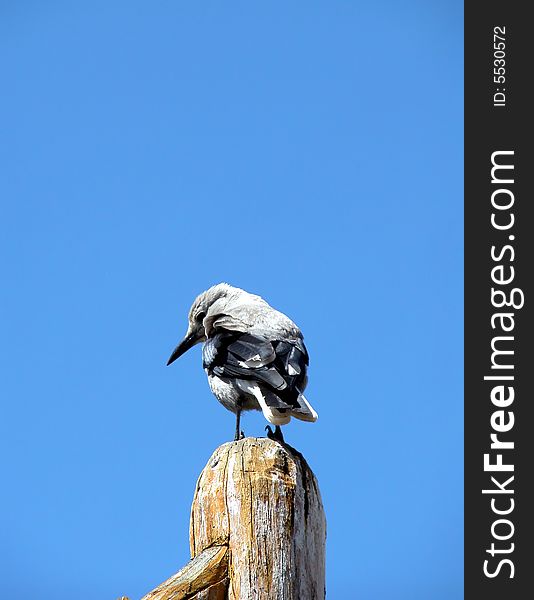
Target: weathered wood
{"points": [[258, 527], [205, 570]]}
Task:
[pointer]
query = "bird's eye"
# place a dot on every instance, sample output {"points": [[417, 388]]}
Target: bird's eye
{"points": [[200, 317]]}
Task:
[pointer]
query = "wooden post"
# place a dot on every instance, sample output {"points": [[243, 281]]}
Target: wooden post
{"points": [[257, 528]]}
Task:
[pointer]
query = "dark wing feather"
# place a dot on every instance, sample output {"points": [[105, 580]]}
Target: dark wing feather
{"points": [[279, 366]]}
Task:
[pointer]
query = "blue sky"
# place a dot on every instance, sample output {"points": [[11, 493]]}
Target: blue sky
{"points": [[310, 152]]}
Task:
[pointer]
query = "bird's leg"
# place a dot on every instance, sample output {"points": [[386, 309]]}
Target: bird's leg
{"points": [[276, 434], [238, 434]]}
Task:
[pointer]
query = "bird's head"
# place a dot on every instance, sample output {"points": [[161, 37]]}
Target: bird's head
{"points": [[201, 312]]}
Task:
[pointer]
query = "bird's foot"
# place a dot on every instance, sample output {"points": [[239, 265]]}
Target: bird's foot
{"points": [[239, 436], [275, 435]]}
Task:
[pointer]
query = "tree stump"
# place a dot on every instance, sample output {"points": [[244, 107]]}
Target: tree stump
{"points": [[257, 529]]}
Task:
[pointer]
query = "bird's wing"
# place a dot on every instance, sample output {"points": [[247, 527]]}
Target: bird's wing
{"points": [[229, 323], [278, 365]]}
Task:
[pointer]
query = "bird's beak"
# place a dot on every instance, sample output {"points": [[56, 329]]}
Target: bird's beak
{"points": [[188, 342]]}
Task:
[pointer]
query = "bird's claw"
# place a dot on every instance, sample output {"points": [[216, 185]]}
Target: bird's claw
{"points": [[275, 435]]}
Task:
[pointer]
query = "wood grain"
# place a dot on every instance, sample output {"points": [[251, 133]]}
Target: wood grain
{"points": [[257, 529]]}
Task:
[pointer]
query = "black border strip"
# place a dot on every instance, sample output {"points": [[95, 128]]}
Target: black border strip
{"points": [[498, 119]]}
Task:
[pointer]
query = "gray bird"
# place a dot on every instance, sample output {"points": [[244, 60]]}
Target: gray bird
{"points": [[254, 356]]}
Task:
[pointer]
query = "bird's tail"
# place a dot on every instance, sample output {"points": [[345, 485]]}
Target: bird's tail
{"points": [[305, 412], [276, 411]]}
